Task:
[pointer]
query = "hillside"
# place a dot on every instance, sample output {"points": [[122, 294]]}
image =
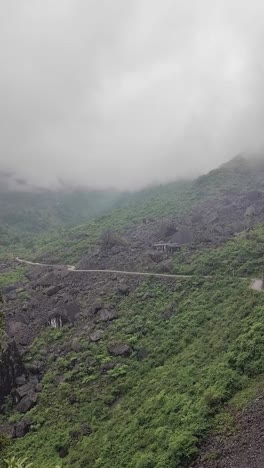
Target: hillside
{"points": [[134, 372], [214, 206]]}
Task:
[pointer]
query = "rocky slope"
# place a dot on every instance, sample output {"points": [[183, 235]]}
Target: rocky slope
{"points": [[142, 365]]}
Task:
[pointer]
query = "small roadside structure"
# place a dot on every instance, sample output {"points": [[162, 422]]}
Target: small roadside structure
{"points": [[168, 247]]}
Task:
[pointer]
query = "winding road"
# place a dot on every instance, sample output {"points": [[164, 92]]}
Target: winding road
{"points": [[121, 272], [255, 283]]}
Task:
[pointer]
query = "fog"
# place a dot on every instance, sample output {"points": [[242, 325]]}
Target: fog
{"points": [[125, 93]]}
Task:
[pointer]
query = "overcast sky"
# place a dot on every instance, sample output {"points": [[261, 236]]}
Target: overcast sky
{"points": [[128, 92]]}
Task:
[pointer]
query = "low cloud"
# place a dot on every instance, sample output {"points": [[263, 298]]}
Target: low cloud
{"points": [[128, 93]]}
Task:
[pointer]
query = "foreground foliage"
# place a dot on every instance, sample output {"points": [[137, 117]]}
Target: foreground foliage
{"points": [[153, 408]]}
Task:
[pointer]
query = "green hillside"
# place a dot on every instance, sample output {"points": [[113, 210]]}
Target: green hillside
{"points": [[156, 405]]}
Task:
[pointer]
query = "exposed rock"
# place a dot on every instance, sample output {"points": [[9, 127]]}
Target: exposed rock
{"points": [[72, 399], [167, 230], [123, 290], [53, 290], [7, 430], [156, 256], [106, 315], [76, 346], [19, 331], [111, 239], [26, 403], [21, 380], [24, 390], [96, 335], [197, 218], [12, 296], [36, 367], [64, 314], [119, 349], [166, 266], [142, 353], [183, 236], [22, 428], [9, 288], [254, 195], [250, 211], [96, 307], [106, 367], [11, 367]]}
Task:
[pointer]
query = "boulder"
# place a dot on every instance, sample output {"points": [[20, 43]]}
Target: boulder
{"points": [[250, 211], [156, 256], [53, 290], [119, 349], [167, 230], [183, 236], [165, 267], [21, 380], [253, 195], [96, 335], [64, 314], [24, 390], [105, 367], [20, 332], [26, 403], [22, 428], [123, 290], [96, 307], [7, 430], [106, 315]]}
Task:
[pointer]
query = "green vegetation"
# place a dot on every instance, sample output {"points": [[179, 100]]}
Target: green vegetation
{"points": [[17, 463], [242, 256], [12, 276], [152, 408], [196, 345]]}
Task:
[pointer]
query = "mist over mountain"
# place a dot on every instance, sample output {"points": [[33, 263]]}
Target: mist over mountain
{"points": [[130, 93]]}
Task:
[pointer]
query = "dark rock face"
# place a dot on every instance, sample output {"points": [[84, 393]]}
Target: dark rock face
{"points": [[26, 403], [183, 236], [120, 349], [20, 332], [106, 315], [156, 256], [53, 290], [64, 314], [22, 428], [11, 367], [96, 307], [167, 230], [107, 366], [96, 335], [165, 267], [7, 430], [123, 290]]}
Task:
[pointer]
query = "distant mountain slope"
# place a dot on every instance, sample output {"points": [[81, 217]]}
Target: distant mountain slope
{"points": [[214, 206], [79, 218]]}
